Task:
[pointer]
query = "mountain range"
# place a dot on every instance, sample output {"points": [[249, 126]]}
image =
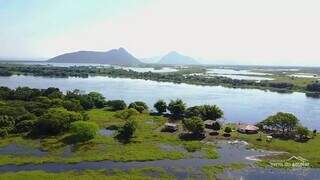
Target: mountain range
{"points": [[120, 57], [114, 57]]}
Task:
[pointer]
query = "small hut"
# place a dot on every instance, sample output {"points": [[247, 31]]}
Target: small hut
{"points": [[247, 128], [269, 138], [170, 127], [208, 124]]}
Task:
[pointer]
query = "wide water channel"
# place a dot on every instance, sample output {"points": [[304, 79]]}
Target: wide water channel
{"points": [[239, 105]]}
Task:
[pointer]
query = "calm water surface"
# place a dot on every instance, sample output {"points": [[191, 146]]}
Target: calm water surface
{"points": [[239, 105], [238, 74], [271, 174]]}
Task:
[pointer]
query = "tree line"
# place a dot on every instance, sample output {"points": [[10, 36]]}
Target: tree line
{"points": [[45, 111], [175, 77]]}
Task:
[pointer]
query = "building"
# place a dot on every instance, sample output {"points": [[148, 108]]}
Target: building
{"points": [[170, 127], [247, 128], [209, 124]]}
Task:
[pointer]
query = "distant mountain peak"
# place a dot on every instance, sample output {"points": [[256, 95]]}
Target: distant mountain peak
{"points": [[114, 56], [122, 49], [174, 57], [173, 53]]}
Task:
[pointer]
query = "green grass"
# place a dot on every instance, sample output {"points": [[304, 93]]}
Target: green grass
{"points": [[298, 81], [144, 173], [143, 147], [309, 150], [211, 171]]}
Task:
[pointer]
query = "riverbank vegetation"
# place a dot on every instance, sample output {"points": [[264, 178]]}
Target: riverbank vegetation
{"points": [[211, 171], [280, 83], [63, 128]]}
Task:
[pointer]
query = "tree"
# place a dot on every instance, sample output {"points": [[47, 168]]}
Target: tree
{"points": [[25, 126], [216, 126], [139, 106], [302, 132], [193, 111], [26, 93], [56, 102], [211, 112], [98, 99], [143, 104], [160, 106], [57, 120], [5, 93], [284, 121], [314, 87], [228, 130], [75, 94], [5, 72], [177, 108], [126, 132], [86, 102], [195, 125], [52, 93], [116, 105], [72, 105], [83, 130]]}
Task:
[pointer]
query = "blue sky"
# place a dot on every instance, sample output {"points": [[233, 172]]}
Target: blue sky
{"points": [[24, 23], [273, 32]]}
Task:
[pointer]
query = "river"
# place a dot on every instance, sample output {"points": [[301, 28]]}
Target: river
{"points": [[239, 105]]}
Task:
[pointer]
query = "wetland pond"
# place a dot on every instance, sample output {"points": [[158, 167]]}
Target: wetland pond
{"points": [[182, 168]]}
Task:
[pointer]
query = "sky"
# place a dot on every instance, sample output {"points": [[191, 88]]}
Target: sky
{"points": [[250, 32]]}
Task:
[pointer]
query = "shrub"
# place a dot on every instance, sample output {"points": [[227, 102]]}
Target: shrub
{"points": [[57, 120], [315, 87], [116, 105], [83, 130], [177, 108], [216, 126], [160, 106], [193, 111], [314, 132], [127, 113], [210, 112], [194, 125], [139, 106], [6, 123], [138, 103], [228, 130], [72, 105], [302, 131], [127, 131], [25, 126], [98, 99], [3, 132]]}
